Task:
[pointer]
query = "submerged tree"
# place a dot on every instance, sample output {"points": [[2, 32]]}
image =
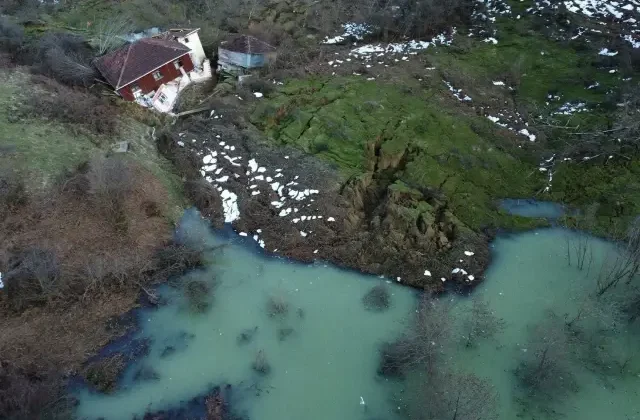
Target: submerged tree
{"points": [[625, 264], [377, 299], [439, 392], [456, 396], [481, 322], [424, 343], [545, 370]]}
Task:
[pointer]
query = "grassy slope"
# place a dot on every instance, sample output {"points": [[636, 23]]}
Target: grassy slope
{"points": [[337, 118], [41, 150]]}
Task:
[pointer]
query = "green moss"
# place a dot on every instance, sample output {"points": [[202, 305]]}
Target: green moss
{"points": [[526, 56], [614, 187], [434, 147]]}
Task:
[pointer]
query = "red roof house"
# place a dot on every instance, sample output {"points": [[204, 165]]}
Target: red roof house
{"points": [[143, 66]]}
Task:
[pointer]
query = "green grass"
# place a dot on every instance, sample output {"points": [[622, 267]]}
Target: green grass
{"points": [[339, 119], [614, 187], [41, 150]]}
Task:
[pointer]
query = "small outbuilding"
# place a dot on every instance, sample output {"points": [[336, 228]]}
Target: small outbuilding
{"points": [[243, 53]]}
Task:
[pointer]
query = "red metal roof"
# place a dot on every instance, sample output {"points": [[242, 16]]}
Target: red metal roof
{"points": [[129, 63]]}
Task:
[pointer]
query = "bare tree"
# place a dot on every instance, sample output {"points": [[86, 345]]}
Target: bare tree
{"points": [[110, 180], [544, 370], [107, 34], [455, 396], [424, 343], [481, 322], [624, 264], [439, 392]]}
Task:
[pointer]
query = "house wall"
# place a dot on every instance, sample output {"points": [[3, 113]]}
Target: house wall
{"points": [[247, 61], [148, 84], [197, 52]]}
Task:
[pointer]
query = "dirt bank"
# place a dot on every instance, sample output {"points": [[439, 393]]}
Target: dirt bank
{"points": [[297, 206]]}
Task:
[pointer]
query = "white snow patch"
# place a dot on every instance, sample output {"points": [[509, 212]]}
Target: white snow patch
{"points": [[230, 206], [258, 94], [427, 273], [605, 51], [469, 253]]}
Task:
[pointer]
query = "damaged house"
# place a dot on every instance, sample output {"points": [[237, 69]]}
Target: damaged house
{"points": [[152, 71]]}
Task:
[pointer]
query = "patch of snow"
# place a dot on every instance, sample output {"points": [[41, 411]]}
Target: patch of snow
{"points": [[230, 206], [258, 94], [356, 31], [242, 233], [605, 51], [526, 133], [469, 253], [498, 83], [427, 273]]}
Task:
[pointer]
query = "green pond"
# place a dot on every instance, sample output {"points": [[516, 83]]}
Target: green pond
{"points": [[323, 350]]}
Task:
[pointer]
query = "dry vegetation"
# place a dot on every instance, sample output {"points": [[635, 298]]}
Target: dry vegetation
{"points": [[96, 231], [74, 257]]}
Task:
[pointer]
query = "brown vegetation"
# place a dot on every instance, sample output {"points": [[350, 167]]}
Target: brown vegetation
{"points": [[104, 373], [75, 257], [72, 106], [28, 393], [90, 234]]}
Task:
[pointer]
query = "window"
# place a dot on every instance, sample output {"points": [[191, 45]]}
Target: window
{"points": [[186, 40], [162, 98], [135, 88], [157, 75], [178, 64]]}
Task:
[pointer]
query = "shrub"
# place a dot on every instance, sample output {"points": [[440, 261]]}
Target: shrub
{"points": [[261, 364], [66, 58], [72, 106], [64, 244], [32, 394], [394, 357], [277, 306], [204, 196], [32, 277], [12, 192], [246, 336], [284, 333], [197, 294], [12, 37], [377, 299], [103, 374]]}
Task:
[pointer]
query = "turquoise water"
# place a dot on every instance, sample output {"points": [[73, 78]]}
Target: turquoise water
{"points": [[323, 367], [532, 208], [320, 371], [528, 278]]}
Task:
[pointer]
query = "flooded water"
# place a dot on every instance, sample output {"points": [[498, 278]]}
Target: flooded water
{"points": [[532, 208], [323, 352]]}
